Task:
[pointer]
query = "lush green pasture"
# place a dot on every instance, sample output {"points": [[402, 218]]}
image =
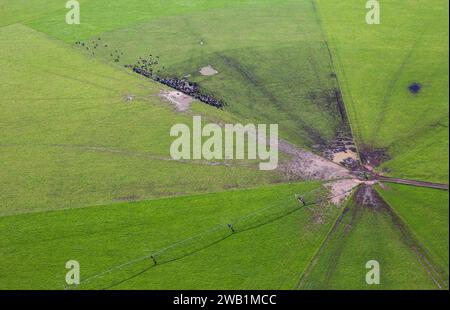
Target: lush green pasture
{"points": [[366, 234], [99, 15], [70, 139], [21, 11], [273, 62], [272, 255], [426, 213], [377, 63], [425, 159]]}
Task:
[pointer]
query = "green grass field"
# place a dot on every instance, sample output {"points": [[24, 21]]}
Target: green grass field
{"points": [[253, 79], [364, 234], [419, 208], [106, 236], [87, 175], [70, 139], [376, 64]]}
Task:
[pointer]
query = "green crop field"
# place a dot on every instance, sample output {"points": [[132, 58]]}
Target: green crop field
{"points": [[377, 64], [419, 208], [254, 79], [356, 238], [70, 139], [115, 234], [86, 171]]}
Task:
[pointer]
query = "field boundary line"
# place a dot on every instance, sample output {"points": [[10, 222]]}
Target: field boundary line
{"points": [[229, 232], [337, 69], [315, 257], [421, 252], [390, 89]]}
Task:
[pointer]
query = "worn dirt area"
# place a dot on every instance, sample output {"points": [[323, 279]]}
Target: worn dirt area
{"points": [[342, 151], [182, 102], [373, 157], [340, 190], [368, 197], [208, 71], [302, 164], [305, 165], [342, 156]]}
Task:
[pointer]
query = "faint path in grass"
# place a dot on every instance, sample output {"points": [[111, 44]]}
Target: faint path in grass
{"points": [[366, 197], [253, 80], [111, 150], [412, 182], [341, 102], [203, 240], [391, 87], [331, 234], [438, 276], [303, 165]]}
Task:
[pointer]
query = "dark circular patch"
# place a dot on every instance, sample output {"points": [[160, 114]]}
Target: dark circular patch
{"points": [[415, 88]]}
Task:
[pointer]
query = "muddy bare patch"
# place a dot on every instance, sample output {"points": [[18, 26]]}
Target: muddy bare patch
{"points": [[342, 151], [340, 190], [182, 102], [367, 196], [373, 157], [208, 71], [305, 165], [318, 219]]}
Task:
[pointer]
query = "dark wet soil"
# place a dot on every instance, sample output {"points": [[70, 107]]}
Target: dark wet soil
{"points": [[343, 143], [373, 157], [331, 99], [366, 196]]}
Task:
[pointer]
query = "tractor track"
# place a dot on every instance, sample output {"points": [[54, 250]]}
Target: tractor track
{"points": [[365, 196], [412, 182]]}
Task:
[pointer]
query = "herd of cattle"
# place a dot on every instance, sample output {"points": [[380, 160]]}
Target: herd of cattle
{"points": [[182, 85]]}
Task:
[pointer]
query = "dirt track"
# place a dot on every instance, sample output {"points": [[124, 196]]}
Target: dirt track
{"points": [[412, 182]]}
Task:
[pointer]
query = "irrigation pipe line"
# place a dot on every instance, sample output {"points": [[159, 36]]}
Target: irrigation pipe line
{"points": [[216, 228]]}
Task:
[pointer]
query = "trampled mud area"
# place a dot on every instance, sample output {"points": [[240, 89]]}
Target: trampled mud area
{"points": [[340, 190], [366, 196], [305, 165], [342, 150], [373, 157], [181, 101]]}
